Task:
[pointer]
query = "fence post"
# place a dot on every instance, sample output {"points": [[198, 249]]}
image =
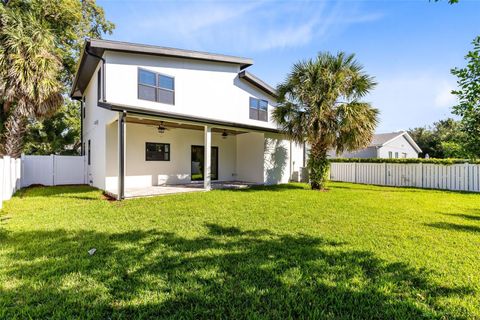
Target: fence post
{"points": [[22, 169], [385, 173], [355, 172], [421, 173], [468, 176], [52, 156]]}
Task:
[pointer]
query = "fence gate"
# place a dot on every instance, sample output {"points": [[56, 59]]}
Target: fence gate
{"points": [[53, 170]]}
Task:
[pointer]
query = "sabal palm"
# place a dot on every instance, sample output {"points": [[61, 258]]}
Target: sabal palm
{"points": [[29, 75], [319, 104]]}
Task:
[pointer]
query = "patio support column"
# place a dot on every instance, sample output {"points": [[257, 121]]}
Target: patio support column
{"points": [[121, 155], [207, 158]]}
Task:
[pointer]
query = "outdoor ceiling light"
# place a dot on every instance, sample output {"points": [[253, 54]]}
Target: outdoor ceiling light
{"points": [[224, 134]]}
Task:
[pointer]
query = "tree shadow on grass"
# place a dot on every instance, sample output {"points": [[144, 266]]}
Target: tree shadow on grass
{"points": [[454, 227], [466, 216], [224, 273], [273, 188]]}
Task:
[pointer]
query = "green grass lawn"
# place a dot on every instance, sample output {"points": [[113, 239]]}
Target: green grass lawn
{"points": [[354, 252]]}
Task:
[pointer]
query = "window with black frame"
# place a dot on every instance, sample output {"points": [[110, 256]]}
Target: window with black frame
{"points": [[156, 87], [157, 151], [258, 109]]}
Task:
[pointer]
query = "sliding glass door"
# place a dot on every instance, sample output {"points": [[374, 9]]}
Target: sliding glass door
{"points": [[197, 163]]}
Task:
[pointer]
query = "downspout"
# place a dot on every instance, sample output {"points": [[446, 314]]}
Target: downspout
{"points": [[104, 72], [291, 161], [304, 154], [81, 128], [121, 156]]}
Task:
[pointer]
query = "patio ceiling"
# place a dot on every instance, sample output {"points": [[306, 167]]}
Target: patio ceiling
{"points": [[177, 125]]}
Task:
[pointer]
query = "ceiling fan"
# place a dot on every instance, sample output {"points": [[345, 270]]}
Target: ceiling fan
{"points": [[162, 128]]}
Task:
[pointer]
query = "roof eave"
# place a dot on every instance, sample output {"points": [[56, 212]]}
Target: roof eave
{"points": [[252, 79], [99, 46], [182, 117], [77, 71], [168, 52]]}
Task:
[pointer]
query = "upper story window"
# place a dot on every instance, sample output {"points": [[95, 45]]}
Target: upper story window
{"points": [[258, 109], [156, 87]]}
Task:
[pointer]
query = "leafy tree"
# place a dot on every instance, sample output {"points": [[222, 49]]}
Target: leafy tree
{"points": [[450, 1], [469, 99], [57, 134], [442, 140], [319, 103], [32, 33]]}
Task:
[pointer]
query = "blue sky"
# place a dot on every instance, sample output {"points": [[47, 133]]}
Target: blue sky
{"points": [[409, 46]]}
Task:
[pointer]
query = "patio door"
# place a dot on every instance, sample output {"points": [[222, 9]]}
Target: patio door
{"points": [[197, 163]]}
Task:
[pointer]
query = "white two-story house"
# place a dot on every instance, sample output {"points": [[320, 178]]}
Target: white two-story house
{"points": [[155, 116]]}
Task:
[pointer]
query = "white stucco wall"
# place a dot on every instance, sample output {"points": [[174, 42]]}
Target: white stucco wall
{"points": [[277, 159], [203, 89], [94, 129], [400, 145], [142, 173], [250, 152]]}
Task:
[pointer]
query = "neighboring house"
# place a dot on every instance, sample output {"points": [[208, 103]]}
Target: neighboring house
{"points": [[386, 145], [154, 116]]}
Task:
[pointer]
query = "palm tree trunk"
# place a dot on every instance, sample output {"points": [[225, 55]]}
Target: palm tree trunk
{"points": [[13, 134], [318, 166]]}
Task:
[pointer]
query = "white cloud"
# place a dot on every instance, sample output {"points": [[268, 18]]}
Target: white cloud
{"points": [[242, 26]]}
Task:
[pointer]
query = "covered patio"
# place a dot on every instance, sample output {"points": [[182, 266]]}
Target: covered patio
{"points": [[137, 192], [203, 154]]}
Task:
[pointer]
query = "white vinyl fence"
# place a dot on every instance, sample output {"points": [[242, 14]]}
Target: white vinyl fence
{"points": [[53, 170], [10, 178], [460, 177], [45, 170]]}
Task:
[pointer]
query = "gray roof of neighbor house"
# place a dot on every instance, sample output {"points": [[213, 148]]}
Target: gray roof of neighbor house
{"points": [[381, 139], [95, 48]]}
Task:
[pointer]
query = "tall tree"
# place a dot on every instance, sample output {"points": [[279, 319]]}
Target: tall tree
{"points": [[29, 75], [468, 95], [55, 135], [319, 103], [63, 25], [442, 140]]}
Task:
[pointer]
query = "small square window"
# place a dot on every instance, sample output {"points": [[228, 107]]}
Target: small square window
{"points": [[258, 109], [156, 87]]}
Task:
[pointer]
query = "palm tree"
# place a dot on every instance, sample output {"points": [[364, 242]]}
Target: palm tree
{"points": [[29, 76], [319, 105]]}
